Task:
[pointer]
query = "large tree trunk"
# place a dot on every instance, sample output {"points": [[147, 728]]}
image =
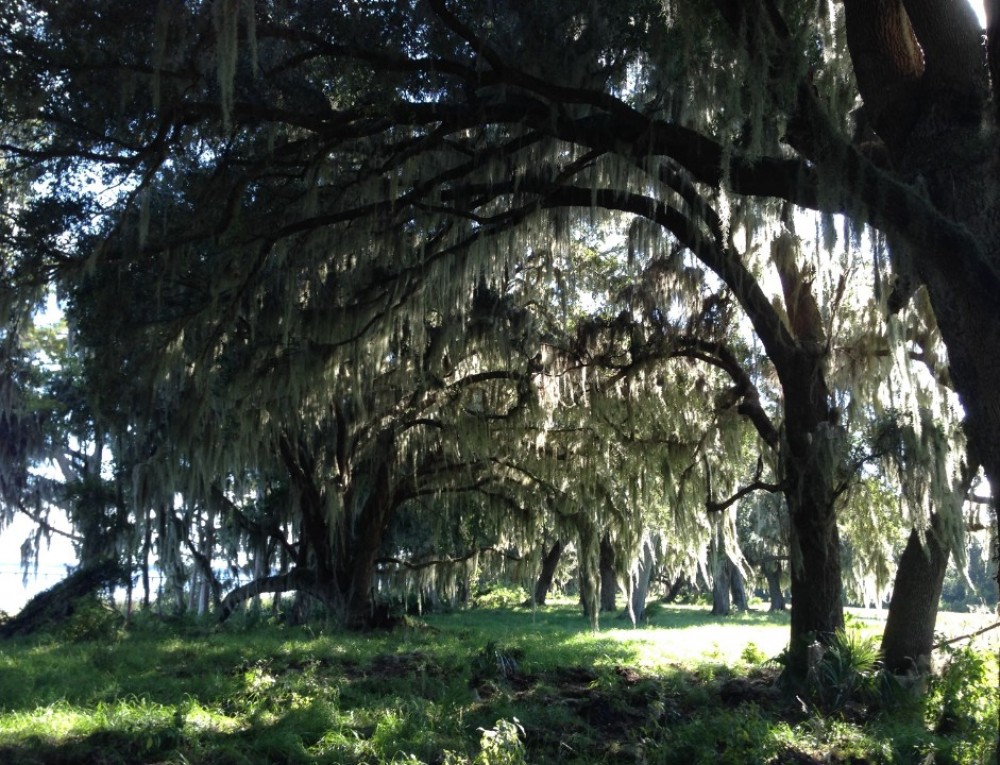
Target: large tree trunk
{"points": [[363, 535], [812, 455], [550, 561], [909, 629], [342, 564], [810, 445], [721, 603], [816, 581], [942, 143], [812, 459]]}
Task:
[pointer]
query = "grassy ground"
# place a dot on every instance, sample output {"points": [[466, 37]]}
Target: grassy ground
{"points": [[484, 686]]}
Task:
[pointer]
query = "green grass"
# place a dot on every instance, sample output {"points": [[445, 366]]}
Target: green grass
{"points": [[483, 687]]}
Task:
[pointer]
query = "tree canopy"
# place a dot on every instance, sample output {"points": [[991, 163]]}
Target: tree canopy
{"points": [[328, 264]]}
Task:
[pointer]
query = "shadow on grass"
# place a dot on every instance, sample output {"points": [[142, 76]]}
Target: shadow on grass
{"points": [[573, 713], [300, 695]]}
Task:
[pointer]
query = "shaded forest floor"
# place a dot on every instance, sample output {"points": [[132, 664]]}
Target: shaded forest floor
{"points": [[486, 686]]}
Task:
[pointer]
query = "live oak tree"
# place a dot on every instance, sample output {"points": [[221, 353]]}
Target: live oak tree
{"points": [[293, 189]]}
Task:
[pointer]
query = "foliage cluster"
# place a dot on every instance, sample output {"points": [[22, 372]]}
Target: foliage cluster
{"points": [[93, 619], [498, 596], [482, 687], [848, 671]]}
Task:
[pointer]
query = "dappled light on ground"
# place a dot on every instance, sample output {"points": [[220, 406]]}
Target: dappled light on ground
{"points": [[684, 687]]}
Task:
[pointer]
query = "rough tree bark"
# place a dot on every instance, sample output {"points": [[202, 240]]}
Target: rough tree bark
{"points": [[728, 589], [909, 628], [945, 144]]}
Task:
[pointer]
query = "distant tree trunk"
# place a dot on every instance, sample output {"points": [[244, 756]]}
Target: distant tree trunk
{"points": [[589, 569], [194, 584], [640, 589], [262, 549], [721, 605], [728, 588], [587, 595], [909, 628], [772, 572], [210, 592], [462, 591], [283, 564], [675, 589], [550, 561], [129, 587], [609, 579], [147, 548], [737, 587], [721, 590]]}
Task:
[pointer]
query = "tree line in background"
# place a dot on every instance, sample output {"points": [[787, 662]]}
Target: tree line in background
{"points": [[361, 298]]}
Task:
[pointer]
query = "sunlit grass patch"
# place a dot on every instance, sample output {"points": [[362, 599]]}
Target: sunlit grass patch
{"points": [[199, 720], [676, 634], [49, 723], [685, 683], [701, 637]]}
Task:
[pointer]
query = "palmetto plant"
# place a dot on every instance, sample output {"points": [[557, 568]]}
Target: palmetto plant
{"points": [[848, 671]]}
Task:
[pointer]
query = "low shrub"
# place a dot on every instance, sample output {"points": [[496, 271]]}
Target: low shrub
{"points": [[500, 596], [93, 619]]}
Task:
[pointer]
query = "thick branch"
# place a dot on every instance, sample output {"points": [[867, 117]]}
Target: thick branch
{"points": [[888, 65], [720, 356], [771, 330], [42, 523], [714, 506], [969, 636], [443, 561], [993, 49], [951, 41], [296, 579]]}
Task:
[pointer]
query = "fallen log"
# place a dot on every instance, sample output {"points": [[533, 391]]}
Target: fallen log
{"points": [[56, 604]]}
